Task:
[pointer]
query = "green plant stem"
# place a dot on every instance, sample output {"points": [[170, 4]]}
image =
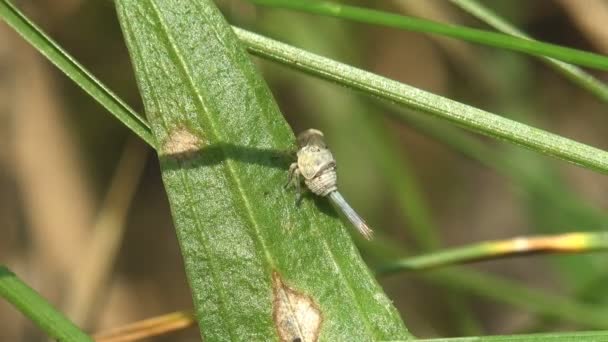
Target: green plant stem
{"points": [[585, 336], [573, 73], [499, 289], [466, 116], [564, 243], [369, 16], [467, 145], [70, 67], [469, 117], [32, 305]]}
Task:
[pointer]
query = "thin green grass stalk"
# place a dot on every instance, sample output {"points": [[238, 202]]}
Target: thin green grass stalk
{"points": [[502, 290], [562, 206], [564, 203], [495, 126], [37, 309], [369, 16], [573, 73], [70, 67], [559, 244], [466, 116], [585, 336], [475, 149]]}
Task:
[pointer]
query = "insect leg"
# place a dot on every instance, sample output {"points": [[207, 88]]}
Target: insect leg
{"points": [[298, 184], [290, 175]]}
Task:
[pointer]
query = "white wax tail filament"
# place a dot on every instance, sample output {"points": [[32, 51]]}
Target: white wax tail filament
{"points": [[350, 213]]}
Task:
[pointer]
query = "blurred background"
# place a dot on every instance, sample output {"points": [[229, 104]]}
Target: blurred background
{"points": [[85, 221]]}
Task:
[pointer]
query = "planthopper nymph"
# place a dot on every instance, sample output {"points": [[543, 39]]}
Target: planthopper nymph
{"points": [[317, 167]]}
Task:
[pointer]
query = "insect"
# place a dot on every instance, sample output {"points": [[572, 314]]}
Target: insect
{"points": [[317, 166]]}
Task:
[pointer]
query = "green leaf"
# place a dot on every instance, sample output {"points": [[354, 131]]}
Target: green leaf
{"points": [[78, 74], [466, 116], [251, 255], [369, 16], [36, 308]]}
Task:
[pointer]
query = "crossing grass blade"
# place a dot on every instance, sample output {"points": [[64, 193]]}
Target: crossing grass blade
{"points": [[71, 68], [466, 116], [370, 16], [36, 308]]}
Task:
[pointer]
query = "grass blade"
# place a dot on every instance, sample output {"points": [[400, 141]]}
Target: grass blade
{"points": [[70, 67], [585, 336], [36, 308], [369, 16], [573, 73], [564, 243], [502, 290], [543, 191], [466, 116], [249, 252]]}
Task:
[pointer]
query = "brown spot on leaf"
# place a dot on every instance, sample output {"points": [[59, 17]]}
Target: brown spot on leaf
{"points": [[181, 144], [296, 316]]}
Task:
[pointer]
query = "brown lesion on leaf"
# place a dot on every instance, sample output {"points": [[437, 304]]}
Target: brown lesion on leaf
{"points": [[181, 143], [296, 316]]}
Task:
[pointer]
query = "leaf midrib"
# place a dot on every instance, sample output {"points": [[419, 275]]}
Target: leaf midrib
{"points": [[214, 273], [232, 175], [229, 167]]}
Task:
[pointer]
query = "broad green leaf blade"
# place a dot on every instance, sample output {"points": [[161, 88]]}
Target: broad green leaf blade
{"points": [[36, 308], [370, 16], [251, 256], [469, 117], [71, 68]]}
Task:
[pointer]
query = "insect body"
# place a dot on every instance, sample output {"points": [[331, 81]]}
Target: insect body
{"points": [[317, 166]]}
